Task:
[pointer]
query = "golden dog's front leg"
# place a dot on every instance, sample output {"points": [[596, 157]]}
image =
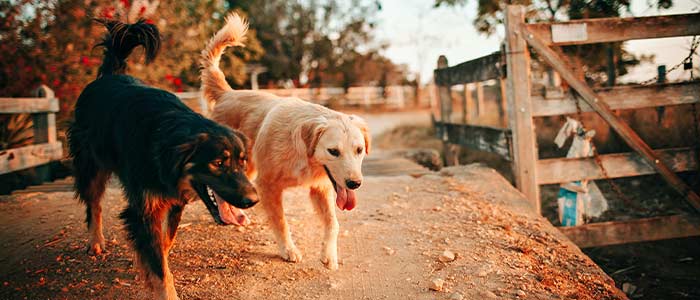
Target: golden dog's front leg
{"points": [[323, 203], [271, 201]]}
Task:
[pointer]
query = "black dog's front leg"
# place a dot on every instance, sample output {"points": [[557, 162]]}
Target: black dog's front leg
{"points": [[144, 227]]}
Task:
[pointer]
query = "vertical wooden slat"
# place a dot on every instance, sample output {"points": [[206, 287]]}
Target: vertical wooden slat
{"points": [[502, 102], [481, 107], [465, 97], [471, 108], [601, 107], [520, 107]]}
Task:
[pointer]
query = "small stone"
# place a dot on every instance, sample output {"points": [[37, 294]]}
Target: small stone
{"points": [[389, 250], [629, 288], [436, 284], [521, 293], [447, 256], [456, 296]]}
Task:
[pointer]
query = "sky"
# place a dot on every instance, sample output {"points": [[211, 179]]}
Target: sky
{"points": [[417, 34]]}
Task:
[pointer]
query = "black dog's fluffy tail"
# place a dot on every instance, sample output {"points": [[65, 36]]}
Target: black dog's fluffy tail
{"points": [[121, 40]]}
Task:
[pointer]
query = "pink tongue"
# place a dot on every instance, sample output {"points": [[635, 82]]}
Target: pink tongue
{"points": [[230, 214], [345, 199]]}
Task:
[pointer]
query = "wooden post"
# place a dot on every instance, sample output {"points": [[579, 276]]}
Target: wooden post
{"points": [[520, 112], [450, 152], [599, 104], [45, 123], [44, 130], [480, 106]]}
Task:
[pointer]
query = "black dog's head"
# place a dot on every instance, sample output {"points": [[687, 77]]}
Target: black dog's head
{"points": [[213, 165]]}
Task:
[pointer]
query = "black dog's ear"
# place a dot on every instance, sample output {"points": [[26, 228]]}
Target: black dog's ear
{"points": [[174, 160], [245, 141]]}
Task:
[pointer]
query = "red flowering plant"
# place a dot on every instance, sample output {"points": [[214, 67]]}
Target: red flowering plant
{"points": [[54, 45]]}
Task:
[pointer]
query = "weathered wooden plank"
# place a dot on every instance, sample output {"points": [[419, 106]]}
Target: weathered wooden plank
{"points": [[28, 105], [599, 105], [484, 138], [633, 231], [559, 170], [604, 30], [480, 69], [634, 97], [29, 156], [520, 108]]}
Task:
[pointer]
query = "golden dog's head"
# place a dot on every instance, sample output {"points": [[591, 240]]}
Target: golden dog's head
{"points": [[340, 145]]}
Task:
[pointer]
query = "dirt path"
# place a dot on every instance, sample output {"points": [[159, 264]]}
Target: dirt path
{"points": [[389, 246]]}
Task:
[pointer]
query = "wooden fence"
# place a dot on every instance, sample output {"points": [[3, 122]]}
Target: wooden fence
{"points": [[361, 97], [458, 131], [531, 172], [46, 148], [523, 105]]}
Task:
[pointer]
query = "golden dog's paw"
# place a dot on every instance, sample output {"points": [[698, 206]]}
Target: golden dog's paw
{"points": [[291, 254], [331, 263]]}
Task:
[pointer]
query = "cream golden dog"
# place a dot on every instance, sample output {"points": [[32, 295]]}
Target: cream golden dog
{"points": [[293, 143]]}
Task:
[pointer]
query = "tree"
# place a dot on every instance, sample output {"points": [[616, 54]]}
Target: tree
{"points": [[316, 39], [598, 59], [52, 42]]}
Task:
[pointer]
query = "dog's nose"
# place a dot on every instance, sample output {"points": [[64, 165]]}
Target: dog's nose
{"points": [[353, 184]]}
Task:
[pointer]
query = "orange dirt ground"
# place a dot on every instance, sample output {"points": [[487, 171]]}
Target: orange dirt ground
{"points": [[389, 247]]}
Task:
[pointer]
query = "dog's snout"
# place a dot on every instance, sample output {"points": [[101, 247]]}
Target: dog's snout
{"points": [[353, 184]]}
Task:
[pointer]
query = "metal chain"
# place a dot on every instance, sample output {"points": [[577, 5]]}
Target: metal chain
{"points": [[693, 47], [596, 157]]}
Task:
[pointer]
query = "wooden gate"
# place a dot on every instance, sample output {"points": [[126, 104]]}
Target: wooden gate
{"points": [[531, 172]]}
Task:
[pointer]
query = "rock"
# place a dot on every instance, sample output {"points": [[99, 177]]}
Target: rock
{"points": [[437, 284], [389, 250], [456, 296], [447, 256], [629, 288], [521, 293]]}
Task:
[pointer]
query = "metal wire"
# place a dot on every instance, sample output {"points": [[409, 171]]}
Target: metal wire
{"points": [[693, 47]]}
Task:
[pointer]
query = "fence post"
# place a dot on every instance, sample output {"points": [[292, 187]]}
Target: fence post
{"points": [[450, 152], [519, 102], [44, 130]]}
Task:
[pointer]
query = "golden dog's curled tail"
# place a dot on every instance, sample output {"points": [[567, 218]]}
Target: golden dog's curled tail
{"points": [[232, 34]]}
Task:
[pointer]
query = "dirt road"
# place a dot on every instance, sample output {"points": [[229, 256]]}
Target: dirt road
{"points": [[389, 246]]}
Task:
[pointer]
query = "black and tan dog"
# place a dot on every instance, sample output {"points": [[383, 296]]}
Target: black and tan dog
{"points": [[163, 153]]}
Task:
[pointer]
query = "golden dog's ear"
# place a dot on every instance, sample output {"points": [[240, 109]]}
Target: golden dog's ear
{"points": [[309, 133], [362, 125]]}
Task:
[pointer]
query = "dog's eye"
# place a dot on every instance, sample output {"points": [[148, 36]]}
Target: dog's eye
{"points": [[359, 150], [219, 163], [334, 152]]}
